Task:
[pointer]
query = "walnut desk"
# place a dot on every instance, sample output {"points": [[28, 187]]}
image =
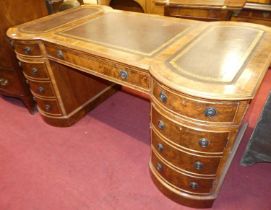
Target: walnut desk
{"points": [[200, 77]]}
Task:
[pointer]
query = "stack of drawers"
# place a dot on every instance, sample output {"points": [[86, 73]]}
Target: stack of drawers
{"points": [[35, 70], [191, 142]]}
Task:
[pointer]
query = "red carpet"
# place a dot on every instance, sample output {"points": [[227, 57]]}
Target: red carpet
{"points": [[101, 163]]}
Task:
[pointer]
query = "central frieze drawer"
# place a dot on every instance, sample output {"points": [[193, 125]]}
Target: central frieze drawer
{"points": [[202, 141], [197, 109], [179, 180], [198, 164], [118, 72]]}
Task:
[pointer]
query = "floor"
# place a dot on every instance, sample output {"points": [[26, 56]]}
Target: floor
{"points": [[101, 163]]}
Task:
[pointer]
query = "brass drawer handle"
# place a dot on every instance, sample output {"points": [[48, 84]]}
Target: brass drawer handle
{"points": [[27, 50], [123, 74], [161, 125], [41, 89], [198, 165], [47, 107], [60, 54], [34, 71], [163, 97], [203, 142], [160, 147], [210, 112], [159, 167], [194, 185], [3, 82]]}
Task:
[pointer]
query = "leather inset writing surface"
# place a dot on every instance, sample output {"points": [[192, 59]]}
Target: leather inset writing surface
{"points": [[50, 23], [218, 54], [129, 32]]}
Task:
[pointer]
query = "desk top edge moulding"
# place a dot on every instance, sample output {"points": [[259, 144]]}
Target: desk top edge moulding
{"points": [[200, 77], [243, 58]]}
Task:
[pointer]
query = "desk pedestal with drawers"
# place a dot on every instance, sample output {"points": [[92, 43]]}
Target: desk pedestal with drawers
{"points": [[200, 78]]}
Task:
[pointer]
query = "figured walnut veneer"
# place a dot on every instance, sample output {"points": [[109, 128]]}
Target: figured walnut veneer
{"points": [[200, 78]]}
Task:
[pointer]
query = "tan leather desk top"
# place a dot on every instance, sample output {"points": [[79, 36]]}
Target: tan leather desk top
{"points": [[219, 60]]}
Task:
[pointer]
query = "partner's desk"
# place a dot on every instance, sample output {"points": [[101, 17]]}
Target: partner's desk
{"points": [[200, 78]]}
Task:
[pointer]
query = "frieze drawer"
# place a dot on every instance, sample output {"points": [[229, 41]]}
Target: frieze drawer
{"points": [[118, 72], [193, 139], [179, 180], [194, 163]]}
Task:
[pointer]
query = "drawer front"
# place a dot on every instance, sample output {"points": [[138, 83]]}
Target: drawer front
{"points": [[10, 82], [201, 141], [117, 71], [244, 13], [196, 109], [261, 14], [191, 184], [193, 163], [48, 106], [206, 14], [44, 89], [35, 70], [27, 49]]}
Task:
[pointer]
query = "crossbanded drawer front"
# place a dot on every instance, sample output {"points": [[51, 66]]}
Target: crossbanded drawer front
{"points": [[197, 110], [201, 141], [117, 71], [43, 89], [49, 106], [35, 70], [181, 181], [198, 164], [28, 49]]}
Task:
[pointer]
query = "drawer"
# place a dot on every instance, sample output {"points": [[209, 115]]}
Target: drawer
{"points": [[261, 14], [35, 70], [29, 49], [202, 141], [195, 13], [12, 82], [181, 181], [49, 106], [198, 164], [44, 89], [243, 13], [198, 109], [117, 72]]}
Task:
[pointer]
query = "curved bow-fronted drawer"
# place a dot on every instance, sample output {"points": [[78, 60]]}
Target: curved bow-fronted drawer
{"points": [[196, 108], [186, 161], [191, 184], [35, 70], [193, 139]]}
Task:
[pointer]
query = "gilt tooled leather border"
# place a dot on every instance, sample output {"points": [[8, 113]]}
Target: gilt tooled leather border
{"points": [[188, 27]]}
